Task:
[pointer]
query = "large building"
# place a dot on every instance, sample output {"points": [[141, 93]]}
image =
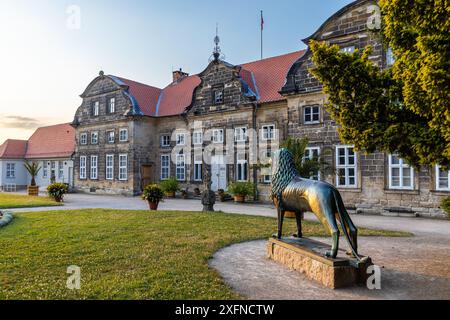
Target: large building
{"points": [[129, 134]]}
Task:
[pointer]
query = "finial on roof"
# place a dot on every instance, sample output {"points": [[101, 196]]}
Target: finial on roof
{"points": [[101, 73], [217, 53]]}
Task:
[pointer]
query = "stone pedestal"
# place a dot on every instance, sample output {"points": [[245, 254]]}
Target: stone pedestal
{"points": [[308, 257]]}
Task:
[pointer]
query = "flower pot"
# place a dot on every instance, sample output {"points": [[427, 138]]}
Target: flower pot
{"points": [[170, 194], [58, 199], [239, 199], [33, 191], [153, 205]]}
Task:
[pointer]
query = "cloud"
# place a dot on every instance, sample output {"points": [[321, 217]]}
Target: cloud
{"points": [[19, 122]]}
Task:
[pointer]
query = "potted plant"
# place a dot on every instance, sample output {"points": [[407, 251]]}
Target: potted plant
{"points": [[33, 169], [170, 187], [240, 190], [154, 194], [57, 191]]}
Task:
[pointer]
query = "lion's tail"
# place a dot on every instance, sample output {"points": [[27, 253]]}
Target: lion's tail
{"points": [[340, 209]]}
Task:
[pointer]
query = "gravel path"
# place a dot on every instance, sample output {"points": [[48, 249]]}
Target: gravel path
{"points": [[411, 269]]}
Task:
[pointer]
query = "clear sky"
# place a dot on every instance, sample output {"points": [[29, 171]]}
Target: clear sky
{"points": [[47, 59]]}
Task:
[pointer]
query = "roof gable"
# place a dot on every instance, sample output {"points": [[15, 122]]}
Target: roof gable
{"points": [[13, 149], [56, 141]]}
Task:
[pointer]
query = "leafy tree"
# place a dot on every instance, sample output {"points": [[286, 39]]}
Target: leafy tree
{"points": [[306, 167], [404, 109]]}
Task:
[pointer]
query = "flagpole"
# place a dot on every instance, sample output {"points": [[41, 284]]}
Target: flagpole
{"points": [[262, 28]]}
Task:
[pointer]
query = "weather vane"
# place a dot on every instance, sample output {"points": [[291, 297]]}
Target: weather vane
{"points": [[217, 53]]}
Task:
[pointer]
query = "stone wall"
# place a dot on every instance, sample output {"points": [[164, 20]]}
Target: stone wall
{"points": [[349, 28]]}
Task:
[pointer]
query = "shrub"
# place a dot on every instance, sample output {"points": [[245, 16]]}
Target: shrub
{"points": [[57, 191], [241, 188], [153, 193], [170, 185], [446, 205]]}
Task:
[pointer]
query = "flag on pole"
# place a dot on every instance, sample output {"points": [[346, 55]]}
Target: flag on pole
{"points": [[262, 29], [262, 21]]}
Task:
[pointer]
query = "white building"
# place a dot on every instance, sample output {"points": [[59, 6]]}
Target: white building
{"points": [[52, 147]]}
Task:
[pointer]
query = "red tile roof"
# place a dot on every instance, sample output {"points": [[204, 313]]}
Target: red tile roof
{"points": [[146, 96], [56, 141], [264, 77], [13, 149], [270, 74], [177, 96]]}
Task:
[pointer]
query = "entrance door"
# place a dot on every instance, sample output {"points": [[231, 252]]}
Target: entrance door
{"points": [[218, 173], [147, 176]]}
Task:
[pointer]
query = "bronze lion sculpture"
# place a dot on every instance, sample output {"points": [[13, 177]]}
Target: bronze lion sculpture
{"points": [[290, 192]]}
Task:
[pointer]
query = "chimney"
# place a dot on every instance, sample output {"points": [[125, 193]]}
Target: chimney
{"points": [[179, 74]]}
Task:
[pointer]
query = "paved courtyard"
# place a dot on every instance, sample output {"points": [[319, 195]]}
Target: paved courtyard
{"points": [[413, 268]]}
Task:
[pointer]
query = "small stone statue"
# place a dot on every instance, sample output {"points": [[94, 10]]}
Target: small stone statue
{"points": [[208, 196]]}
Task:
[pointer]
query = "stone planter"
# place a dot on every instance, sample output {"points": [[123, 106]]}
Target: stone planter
{"points": [[153, 205], [33, 191], [239, 199], [5, 218]]}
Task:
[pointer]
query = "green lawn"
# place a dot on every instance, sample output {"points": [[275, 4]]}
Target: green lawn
{"points": [[126, 254], [10, 201]]}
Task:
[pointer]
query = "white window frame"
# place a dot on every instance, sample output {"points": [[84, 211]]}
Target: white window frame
{"points": [[390, 57], [180, 167], [217, 136], [267, 178], [311, 114], [96, 109], [438, 185], [165, 140], [112, 105], [44, 169], [60, 170], [241, 167], [123, 169], [401, 165], [165, 156], [197, 138], [310, 156], [123, 135], [268, 132], [218, 96], [113, 136], [198, 169], [83, 162], [94, 168], [95, 133], [348, 49], [241, 134], [10, 170], [84, 138], [109, 167], [181, 139], [347, 167]]}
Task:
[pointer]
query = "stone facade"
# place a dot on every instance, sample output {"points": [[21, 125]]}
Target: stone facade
{"points": [[349, 28], [228, 98]]}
